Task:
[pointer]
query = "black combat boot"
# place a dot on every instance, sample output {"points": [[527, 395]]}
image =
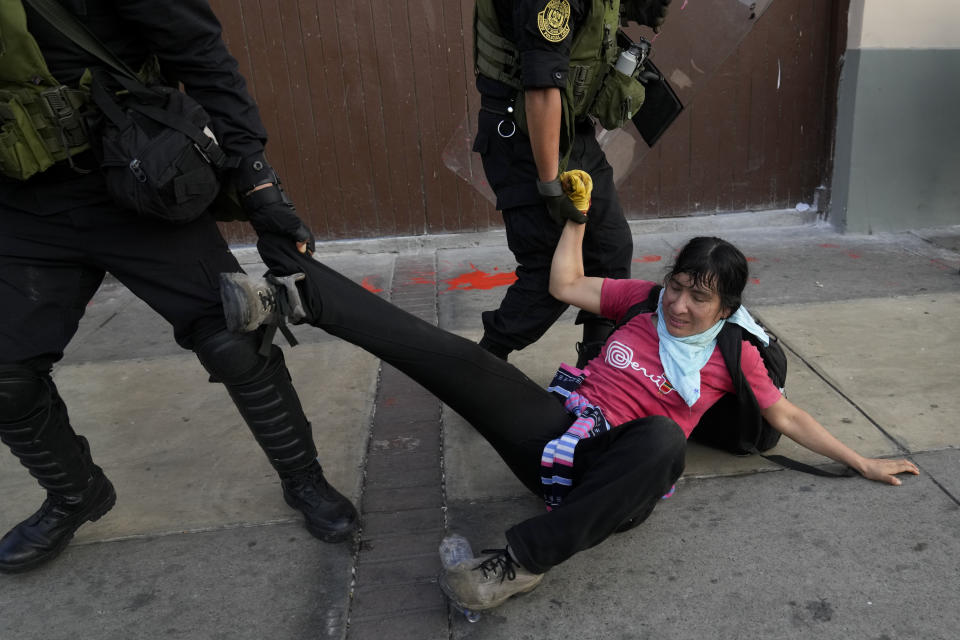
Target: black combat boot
{"points": [[271, 408], [269, 405], [328, 514], [77, 490]]}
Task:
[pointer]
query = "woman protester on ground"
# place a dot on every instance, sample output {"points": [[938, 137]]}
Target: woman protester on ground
{"points": [[626, 420]]}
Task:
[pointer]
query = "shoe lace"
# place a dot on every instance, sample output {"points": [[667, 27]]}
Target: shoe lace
{"points": [[54, 508], [309, 484], [287, 296], [500, 564], [268, 298]]}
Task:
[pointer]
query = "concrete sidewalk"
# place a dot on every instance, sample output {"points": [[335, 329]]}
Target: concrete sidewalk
{"points": [[201, 544]]}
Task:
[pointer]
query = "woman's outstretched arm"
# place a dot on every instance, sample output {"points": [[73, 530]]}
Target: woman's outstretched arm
{"points": [[567, 280], [801, 427]]}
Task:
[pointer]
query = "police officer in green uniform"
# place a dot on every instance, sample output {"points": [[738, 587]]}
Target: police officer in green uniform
{"points": [[60, 233], [545, 72]]}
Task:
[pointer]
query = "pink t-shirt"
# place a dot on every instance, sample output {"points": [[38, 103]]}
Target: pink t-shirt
{"points": [[627, 379]]}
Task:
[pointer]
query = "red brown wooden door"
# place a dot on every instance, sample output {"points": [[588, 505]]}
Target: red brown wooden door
{"points": [[360, 99]]}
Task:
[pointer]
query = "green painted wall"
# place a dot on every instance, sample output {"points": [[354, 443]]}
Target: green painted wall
{"points": [[897, 157]]}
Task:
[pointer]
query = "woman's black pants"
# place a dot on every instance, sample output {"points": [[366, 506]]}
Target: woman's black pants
{"points": [[618, 475]]}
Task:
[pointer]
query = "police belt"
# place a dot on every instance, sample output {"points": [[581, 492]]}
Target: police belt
{"points": [[497, 106], [501, 107], [504, 107]]}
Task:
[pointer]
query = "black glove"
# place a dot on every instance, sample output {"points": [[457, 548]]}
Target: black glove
{"points": [[559, 206], [268, 208], [649, 13]]}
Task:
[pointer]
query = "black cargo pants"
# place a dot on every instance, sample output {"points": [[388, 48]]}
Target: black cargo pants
{"points": [[527, 309], [51, 266]]}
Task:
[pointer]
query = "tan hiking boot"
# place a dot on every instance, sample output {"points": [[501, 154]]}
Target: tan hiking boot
{"points": [[249, 302], [487, 582]]}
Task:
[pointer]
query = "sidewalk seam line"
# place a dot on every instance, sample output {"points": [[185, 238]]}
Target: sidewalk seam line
{"points": [[816, 369], [902, 449], [380, 420]]}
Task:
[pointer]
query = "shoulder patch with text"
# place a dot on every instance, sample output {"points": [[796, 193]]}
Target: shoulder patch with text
{"points": [[554, 20]]}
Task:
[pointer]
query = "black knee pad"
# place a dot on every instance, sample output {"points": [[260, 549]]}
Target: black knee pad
{"points": [[263, 393], [233, 358], [23, 392]]}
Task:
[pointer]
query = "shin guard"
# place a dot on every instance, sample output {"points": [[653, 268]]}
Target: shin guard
{"points": [[41, 436], [263, 393]]}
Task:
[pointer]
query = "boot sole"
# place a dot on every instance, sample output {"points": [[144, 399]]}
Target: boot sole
{"points": [[451, 594], [325, 535], [100, 511], [331, 536], [237, 315]]}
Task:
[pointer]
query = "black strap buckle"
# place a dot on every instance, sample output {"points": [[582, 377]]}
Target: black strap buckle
{"points": [[65, 115], [211, 151]]}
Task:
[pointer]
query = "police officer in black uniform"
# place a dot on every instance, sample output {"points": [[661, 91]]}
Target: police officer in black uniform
{"points": [[523, 141], [60, 233]]}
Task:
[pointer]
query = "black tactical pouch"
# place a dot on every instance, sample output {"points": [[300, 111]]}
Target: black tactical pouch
{"points": [[157, 154], [157, 157]]}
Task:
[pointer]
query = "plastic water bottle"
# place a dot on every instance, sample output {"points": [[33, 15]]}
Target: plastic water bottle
{"points": [[454, 550], [627, 62]]}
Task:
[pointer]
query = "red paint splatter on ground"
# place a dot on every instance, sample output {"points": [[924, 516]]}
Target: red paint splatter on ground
{"points": [[648, 259], [755, 280], [854, 255], [477, 279], [369, 286], [389, 402], [829, 245], [749, 259]]}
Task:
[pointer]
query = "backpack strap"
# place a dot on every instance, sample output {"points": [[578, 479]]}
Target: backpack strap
{"points": [[646, 306], [68, 24], [730, 343], [796, 465]]}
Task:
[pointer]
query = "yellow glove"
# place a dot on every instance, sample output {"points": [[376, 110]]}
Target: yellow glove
{"points": [[578, 185]]}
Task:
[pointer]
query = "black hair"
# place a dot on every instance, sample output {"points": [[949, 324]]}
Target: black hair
{"points": [[715, 264]]}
